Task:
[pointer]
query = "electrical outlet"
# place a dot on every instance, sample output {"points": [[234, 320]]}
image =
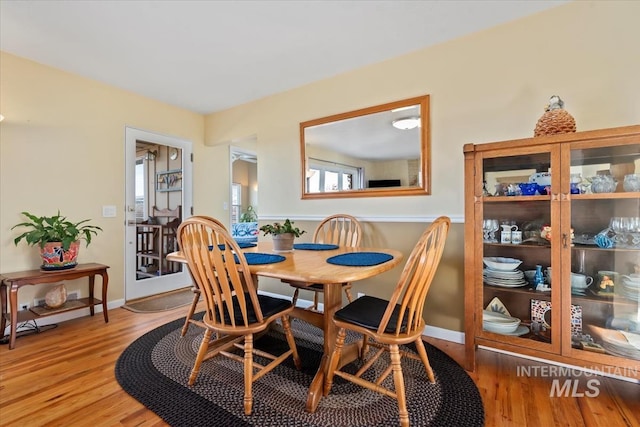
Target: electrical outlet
{"points": [[25, 306], [360, 294]]}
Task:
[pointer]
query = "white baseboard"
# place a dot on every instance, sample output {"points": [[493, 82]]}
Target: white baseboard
{"points": [[72, 314], [429, 331], [302, 303], [444, 334]]}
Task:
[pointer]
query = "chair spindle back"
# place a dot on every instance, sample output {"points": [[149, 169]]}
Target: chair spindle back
{"points": [[414, 283], [220, 272], [339, 229]]}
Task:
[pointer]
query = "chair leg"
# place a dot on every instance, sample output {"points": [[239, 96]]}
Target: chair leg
{"points": [[192, 309], [347, 291], [398, 382], [365, 347], [202, 352], [286, 325], [296, 293], [334, 360], [316, 299], [248, 374], [425, 359]]}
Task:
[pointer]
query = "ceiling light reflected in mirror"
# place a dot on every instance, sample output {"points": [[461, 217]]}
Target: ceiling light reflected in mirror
{"points": [[406, 123]]}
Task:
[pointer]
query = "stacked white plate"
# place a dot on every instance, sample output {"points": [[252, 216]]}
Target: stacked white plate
{"points": [[630, 287], [505, 279], [499, 323], [620, 343], [579, 290]]}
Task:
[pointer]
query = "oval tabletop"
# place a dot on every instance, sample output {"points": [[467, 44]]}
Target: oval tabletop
{"points": [[312, 266]]}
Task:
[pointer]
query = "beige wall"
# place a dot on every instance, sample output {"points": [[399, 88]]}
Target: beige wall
{"points": [[444, 307], [489, 86], [62, 147]]}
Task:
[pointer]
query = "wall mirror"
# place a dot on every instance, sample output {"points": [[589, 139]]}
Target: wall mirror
{"points": [[371, 152]]}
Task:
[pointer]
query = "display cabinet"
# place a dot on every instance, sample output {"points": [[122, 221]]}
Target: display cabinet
{"points": [[559, 216]]}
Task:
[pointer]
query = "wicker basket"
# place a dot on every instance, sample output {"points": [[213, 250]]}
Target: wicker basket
{"points": [[555, 120]]}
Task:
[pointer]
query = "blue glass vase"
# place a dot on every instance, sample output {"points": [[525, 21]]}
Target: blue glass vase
{"points": [[538, 278]]}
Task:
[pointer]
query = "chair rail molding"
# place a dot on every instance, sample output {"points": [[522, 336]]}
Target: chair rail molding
{"points": [[367, 218]]}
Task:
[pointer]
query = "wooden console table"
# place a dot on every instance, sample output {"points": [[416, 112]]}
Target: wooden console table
{"points": [[15, 281]]}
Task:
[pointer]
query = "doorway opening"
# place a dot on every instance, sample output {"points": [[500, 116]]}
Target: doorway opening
{"points": [[158, 193], [244, 195]]}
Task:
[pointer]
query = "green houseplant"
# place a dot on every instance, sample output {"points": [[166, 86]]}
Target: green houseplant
{"points": [[283, 234], [57, 237], [249, 215]]}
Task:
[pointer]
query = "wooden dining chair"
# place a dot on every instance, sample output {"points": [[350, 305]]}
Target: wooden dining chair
{"points": [[170, 220], [341, 230], [234, 310], [196, 292], [387, 324]]}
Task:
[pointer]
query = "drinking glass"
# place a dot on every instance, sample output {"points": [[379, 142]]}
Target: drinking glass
{"points": [[615, 224], [634, 230], [494, 225], [485, 230]]}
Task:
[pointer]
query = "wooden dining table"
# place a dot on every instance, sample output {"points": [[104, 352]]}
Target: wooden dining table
{"points": [[311, 266]]}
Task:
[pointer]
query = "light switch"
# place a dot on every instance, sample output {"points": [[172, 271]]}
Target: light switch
{"points": [[225, 206], [109, 211]]}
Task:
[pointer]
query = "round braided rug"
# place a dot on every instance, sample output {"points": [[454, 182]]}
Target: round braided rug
{"points": [[154, 370]]}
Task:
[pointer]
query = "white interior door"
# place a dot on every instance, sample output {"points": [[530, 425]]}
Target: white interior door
{"points": [[159, 170]]}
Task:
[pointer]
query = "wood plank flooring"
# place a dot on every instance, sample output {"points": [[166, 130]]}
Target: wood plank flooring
{"points": [[65, 377]]}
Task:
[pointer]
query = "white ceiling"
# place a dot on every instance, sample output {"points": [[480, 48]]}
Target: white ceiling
{"points": [[206, 56]]}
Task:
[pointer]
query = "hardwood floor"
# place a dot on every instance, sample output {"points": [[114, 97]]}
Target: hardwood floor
{"points": [[65, 377]]}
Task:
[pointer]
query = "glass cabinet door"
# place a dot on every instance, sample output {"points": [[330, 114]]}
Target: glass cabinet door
{"points": [[520, 213], [604, 281]]}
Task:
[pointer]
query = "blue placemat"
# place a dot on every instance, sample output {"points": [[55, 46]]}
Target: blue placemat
{"points": [[240, 245], [360, 259], [255, 258], [315, 246]]}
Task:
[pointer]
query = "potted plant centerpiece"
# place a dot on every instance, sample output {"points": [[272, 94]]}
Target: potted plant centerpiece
{"points": [[283, 235], [58, 239]]}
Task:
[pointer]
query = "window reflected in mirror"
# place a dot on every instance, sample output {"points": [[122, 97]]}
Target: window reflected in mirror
{"points": [[375, 151]]}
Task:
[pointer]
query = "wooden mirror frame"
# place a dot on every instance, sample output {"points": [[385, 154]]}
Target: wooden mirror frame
{"points": [[424, 176]]}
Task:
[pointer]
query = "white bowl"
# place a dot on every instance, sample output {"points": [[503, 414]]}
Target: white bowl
{"points": [[495, 317], [499, 327], [502, 263]]}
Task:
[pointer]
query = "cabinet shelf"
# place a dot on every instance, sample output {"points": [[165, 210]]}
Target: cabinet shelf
{"points": [[526, 290], [575, 317], [606, 196], [26, 315], [521, 245], [494, 199], [599, 249]]}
